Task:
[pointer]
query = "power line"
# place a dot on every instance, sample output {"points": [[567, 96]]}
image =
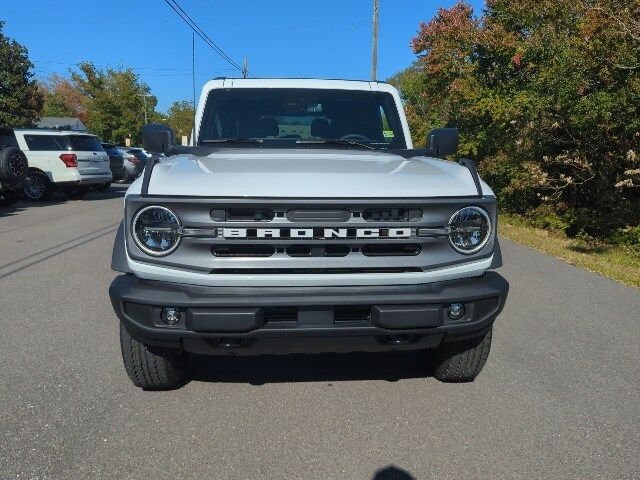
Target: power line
{"points": [[71, 64], [194, 26], [163, 71], [210, 42]]}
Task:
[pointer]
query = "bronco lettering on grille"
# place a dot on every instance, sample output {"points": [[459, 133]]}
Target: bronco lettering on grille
{"points": [[315, 233]]}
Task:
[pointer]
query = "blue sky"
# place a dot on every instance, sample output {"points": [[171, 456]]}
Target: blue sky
{"points": [[281, 38]]}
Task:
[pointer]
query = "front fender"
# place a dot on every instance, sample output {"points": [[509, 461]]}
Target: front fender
{"points": [[119, 254]]}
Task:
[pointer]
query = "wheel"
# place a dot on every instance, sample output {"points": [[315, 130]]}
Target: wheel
{"points": [[76, 193], [13, 164], [8, 198], [462, 361], [152, 368], [38, 187], [102, 187]]}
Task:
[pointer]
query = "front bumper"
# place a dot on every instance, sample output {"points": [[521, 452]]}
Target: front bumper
{"points": [[240, 320]]}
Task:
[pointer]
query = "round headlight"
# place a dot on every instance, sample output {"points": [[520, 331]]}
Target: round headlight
{"points": [[156, 230], [470, 229]]}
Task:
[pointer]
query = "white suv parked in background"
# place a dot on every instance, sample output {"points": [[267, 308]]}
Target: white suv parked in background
{"points": [[71, 161]]}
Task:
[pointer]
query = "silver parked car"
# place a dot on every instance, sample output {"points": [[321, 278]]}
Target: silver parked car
{"points": [[134, 160]]}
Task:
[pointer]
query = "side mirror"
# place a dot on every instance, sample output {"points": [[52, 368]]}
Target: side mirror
{"points": [[443, 141], [158, 138]]}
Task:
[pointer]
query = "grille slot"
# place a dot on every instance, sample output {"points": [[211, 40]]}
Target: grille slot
{"points": [[243, 250], [242, 215], [336, 250], [299, 250], [391, 214], [318, 215], [318, 250], [391, 250]]}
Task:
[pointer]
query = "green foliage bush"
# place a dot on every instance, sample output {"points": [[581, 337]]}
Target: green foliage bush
{"points": [[20, 100], [546, 94]]}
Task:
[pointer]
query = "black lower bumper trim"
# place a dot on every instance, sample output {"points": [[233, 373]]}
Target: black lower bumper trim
{"points": [[237, 320]]}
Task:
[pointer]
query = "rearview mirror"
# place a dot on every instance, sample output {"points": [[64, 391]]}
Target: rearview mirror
{"points": [[158, 138], [443, 141]]}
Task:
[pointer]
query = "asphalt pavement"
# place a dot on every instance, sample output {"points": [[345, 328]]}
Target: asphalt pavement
{"points": [[559, 396]]}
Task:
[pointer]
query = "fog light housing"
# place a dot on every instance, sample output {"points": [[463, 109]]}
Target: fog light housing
{"points": [[170, 315], [456, 311]]}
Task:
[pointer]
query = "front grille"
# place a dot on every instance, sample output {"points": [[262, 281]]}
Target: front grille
{"points": [[319, 239], [310, 236]]}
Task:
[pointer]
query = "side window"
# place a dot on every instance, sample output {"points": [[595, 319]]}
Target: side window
{"points": [[46, 142]]}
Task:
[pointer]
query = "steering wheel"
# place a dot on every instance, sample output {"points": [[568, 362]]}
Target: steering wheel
{"points": [[355, 137]]}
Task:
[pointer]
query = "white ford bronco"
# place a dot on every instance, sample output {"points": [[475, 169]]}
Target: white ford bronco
{"points": [[302, 220]]}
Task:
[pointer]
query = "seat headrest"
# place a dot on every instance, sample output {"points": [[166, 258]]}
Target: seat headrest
{"points": [[320, 128]]}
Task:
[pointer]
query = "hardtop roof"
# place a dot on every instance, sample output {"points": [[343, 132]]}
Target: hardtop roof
{"points": [[337, 84], [52, 131]]}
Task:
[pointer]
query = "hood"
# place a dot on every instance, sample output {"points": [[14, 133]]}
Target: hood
{"points": [[299, 173]]}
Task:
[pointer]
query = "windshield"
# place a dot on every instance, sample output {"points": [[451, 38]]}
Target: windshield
{"points": [[284, 117]]}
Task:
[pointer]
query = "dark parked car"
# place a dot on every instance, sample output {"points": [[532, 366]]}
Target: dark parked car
{"points": [[13, 168], [116, 161], [134, 161]]}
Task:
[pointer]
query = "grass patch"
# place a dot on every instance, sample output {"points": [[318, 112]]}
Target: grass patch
{"points": [[617, 262]]}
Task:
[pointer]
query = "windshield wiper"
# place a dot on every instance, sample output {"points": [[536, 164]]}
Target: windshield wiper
{"points": [[344, 143], [232, 140]]}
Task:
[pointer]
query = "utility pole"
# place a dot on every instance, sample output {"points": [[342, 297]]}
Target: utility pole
{"points": [[193, 67], [193, 79], [374, 45], [144, 100], [245, 68]]}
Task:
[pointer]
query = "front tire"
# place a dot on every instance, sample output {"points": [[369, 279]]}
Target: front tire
{"points": [[463, 360], [152, 368]]}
